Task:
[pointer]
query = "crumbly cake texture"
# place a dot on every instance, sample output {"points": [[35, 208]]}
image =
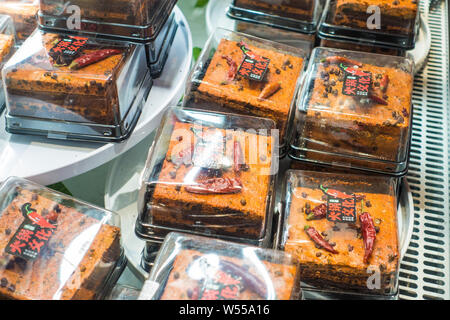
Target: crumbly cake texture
{"points": [[338, 122], [346, 269], [23, 15], [294, 9], [38, 88], [180, 286], [397, 16], [242, 95], [130, 12], [6, 44], [41, 278], [241, 214]]}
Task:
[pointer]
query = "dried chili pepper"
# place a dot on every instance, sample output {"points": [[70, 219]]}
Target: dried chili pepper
{"points": [[238, 157], [384, 83], [335, 193], [233, 68], [339, 59], [369, 234], [378, 100], [93, 57], [216, 186], [249, 53], [269, 90], [353, 71], [249, 280], [319, 240], [319, 212]]}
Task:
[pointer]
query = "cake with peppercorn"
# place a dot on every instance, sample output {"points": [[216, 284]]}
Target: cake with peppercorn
{"points": [[343, 230], [294, 9], [52, 251], [194, 278], [354, 112], [67, 78], [6, 45], [127, 12], [211, 181], [224, 84], [396, 16], [23, 13]]}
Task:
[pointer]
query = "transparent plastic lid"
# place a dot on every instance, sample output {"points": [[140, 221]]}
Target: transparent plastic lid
{"points": [[343, 229], [211, 174], [134, 19], [358, 45], [68, 84], [53, 246], [7, 42], [23, 14], [197, 268], [297, 15], [393, 23], [355, 111], [242, 74]]}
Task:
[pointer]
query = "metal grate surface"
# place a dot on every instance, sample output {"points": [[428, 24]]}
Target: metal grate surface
{"points": [[425, 270]]}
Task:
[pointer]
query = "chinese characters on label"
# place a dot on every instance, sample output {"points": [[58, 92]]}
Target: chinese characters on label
{"points": [[67, 49], [32, 235], [222, 287], [341, 210], [254, 69], [357, 83]]}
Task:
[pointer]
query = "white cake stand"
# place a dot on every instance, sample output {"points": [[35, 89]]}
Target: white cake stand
{"points": [[216, 17], [46, 161]]}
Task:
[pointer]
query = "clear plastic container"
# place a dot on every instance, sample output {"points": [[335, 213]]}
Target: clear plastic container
{"points": [[53, 247], [149, 254], [329, 222], [355, 111], [7, 42], [137, 20], [75, 88], [296, 15], [209, 174], [358, 45], [264, 85], [386, 23], [304, 41], [124, 293], [197, 268], [23, 14], [158, 50]]}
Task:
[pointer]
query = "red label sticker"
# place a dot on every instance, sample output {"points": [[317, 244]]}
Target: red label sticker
{"points": [[357, 83], [32, 235], [254, 67]]}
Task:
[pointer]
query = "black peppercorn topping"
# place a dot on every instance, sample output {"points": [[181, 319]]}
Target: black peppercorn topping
{"points": [[243, 202]]}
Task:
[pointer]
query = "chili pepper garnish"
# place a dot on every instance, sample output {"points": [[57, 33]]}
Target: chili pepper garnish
{"points": [[384, 83], [354, 71], [216, 186], [249, 280], [92, 57], [248, 52], [339, 59], [377, 99], [238, 157], [319, 240], [269, 90], [318, 212], [233, 68], [369, 234], [335, 193]]}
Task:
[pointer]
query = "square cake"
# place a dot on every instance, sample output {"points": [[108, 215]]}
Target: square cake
{"points": [[52, 251]]}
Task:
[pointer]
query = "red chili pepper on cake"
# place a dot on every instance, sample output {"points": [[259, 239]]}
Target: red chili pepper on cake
{"points": [[335, 193], [369, 234], [93, 57], [319, 240], [215, 186]]}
